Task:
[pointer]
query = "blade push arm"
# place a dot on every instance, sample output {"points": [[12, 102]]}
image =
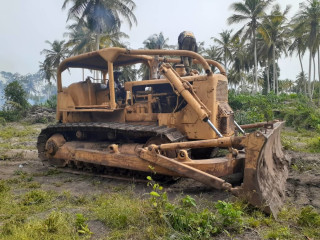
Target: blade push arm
{"points": [[185, 89]]}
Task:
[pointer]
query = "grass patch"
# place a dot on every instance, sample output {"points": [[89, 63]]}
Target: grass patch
{"points": [[35, 197], [39, 214], [56, 225], [300, 141], [8, 132]]}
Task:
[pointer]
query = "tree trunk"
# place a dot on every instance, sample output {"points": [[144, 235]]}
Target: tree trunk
{"points": [[303, 80], [277, 82], [314, 76], [274, 68], [225, 61], [268, 77], [309, 74], [255, 62], [319, 74], [98, 47]]}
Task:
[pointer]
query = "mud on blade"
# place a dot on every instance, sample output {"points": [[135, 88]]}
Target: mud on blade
{"points": [[266, 170]]}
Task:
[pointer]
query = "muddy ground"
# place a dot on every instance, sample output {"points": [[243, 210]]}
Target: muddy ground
{"points": [[303, 184]]}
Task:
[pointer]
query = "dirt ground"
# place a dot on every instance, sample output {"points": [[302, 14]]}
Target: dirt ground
{"points": [[303, 183]]}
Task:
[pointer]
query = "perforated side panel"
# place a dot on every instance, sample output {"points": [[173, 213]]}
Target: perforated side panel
{"points": [[222, 91]]}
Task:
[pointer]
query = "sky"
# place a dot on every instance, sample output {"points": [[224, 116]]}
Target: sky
{"points": [[25, 25]]}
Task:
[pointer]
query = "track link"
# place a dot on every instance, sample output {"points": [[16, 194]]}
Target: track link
{"points": [[124, 132]]}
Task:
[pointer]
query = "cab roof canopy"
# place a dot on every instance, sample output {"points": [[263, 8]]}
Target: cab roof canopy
{"points": [[98, 60]]}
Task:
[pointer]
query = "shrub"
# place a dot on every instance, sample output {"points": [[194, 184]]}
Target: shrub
{"points": [[295, 109]]}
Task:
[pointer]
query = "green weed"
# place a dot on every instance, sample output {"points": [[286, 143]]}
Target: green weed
{"points": [[279, 233], [309, 217], [9, 132], [4, 186], [56, 225], [35, 197], [120, 210], [81, 224]]}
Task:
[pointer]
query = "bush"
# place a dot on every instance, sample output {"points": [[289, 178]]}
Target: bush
{"points": [[16, 102], [295, 109], [51, 102]]}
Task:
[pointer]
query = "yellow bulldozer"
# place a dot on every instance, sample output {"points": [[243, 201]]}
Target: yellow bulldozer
{"points": [[171, 124]]}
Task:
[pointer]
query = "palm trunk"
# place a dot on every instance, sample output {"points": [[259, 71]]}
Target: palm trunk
{"points": [[303, 80], [309, 74], [314, 76], [274, 68], [98, 47], [225, 61], [255, 62], [319, 74], [277, 82], [268, 77]]}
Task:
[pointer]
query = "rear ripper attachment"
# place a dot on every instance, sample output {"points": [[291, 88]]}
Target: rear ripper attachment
{"points": [[174, 122]]}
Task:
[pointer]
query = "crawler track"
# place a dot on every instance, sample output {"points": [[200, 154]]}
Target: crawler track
{"points": [[113, 132]]}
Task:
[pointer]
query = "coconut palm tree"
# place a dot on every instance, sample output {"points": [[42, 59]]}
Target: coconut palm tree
{"points": [[82, 39], [275, 33], [298, 45], [101, 16], [225, 46], [156, 41], [241, 63], [307, 21], [213, 53], [250, 12], [57, 52]]}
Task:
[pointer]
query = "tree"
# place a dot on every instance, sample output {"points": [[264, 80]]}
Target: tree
{"points": [[58, 51], [307, 21], [240, 64], [298, 45], [82, 39], [101, 16], [250, 12], [213, 53], [14, 93], [16, 102], [156, 41], [275, 33], [225, 46]]}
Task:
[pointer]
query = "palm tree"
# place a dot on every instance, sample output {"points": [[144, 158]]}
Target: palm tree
{"points": [[58, 51], [307, 21], [240, 62], [156, 41], [275, 33], [82, 39], [101, 16], [213, 53], [301, 82], [298, 45], [250, 12], [225, 46]]}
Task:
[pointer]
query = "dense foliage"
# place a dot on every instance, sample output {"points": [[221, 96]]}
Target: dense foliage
{"points": [[296, 110], [16, 103]]}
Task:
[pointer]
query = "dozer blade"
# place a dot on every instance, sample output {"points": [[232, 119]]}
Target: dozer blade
{"points": [[266, 170]]}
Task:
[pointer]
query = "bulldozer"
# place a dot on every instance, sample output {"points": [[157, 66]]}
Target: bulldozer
{"points": [[172, 124]]}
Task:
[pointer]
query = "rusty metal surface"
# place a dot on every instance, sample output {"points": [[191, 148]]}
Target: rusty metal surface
{"points": [[266, 170], [134, 131], [183, 169]]}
